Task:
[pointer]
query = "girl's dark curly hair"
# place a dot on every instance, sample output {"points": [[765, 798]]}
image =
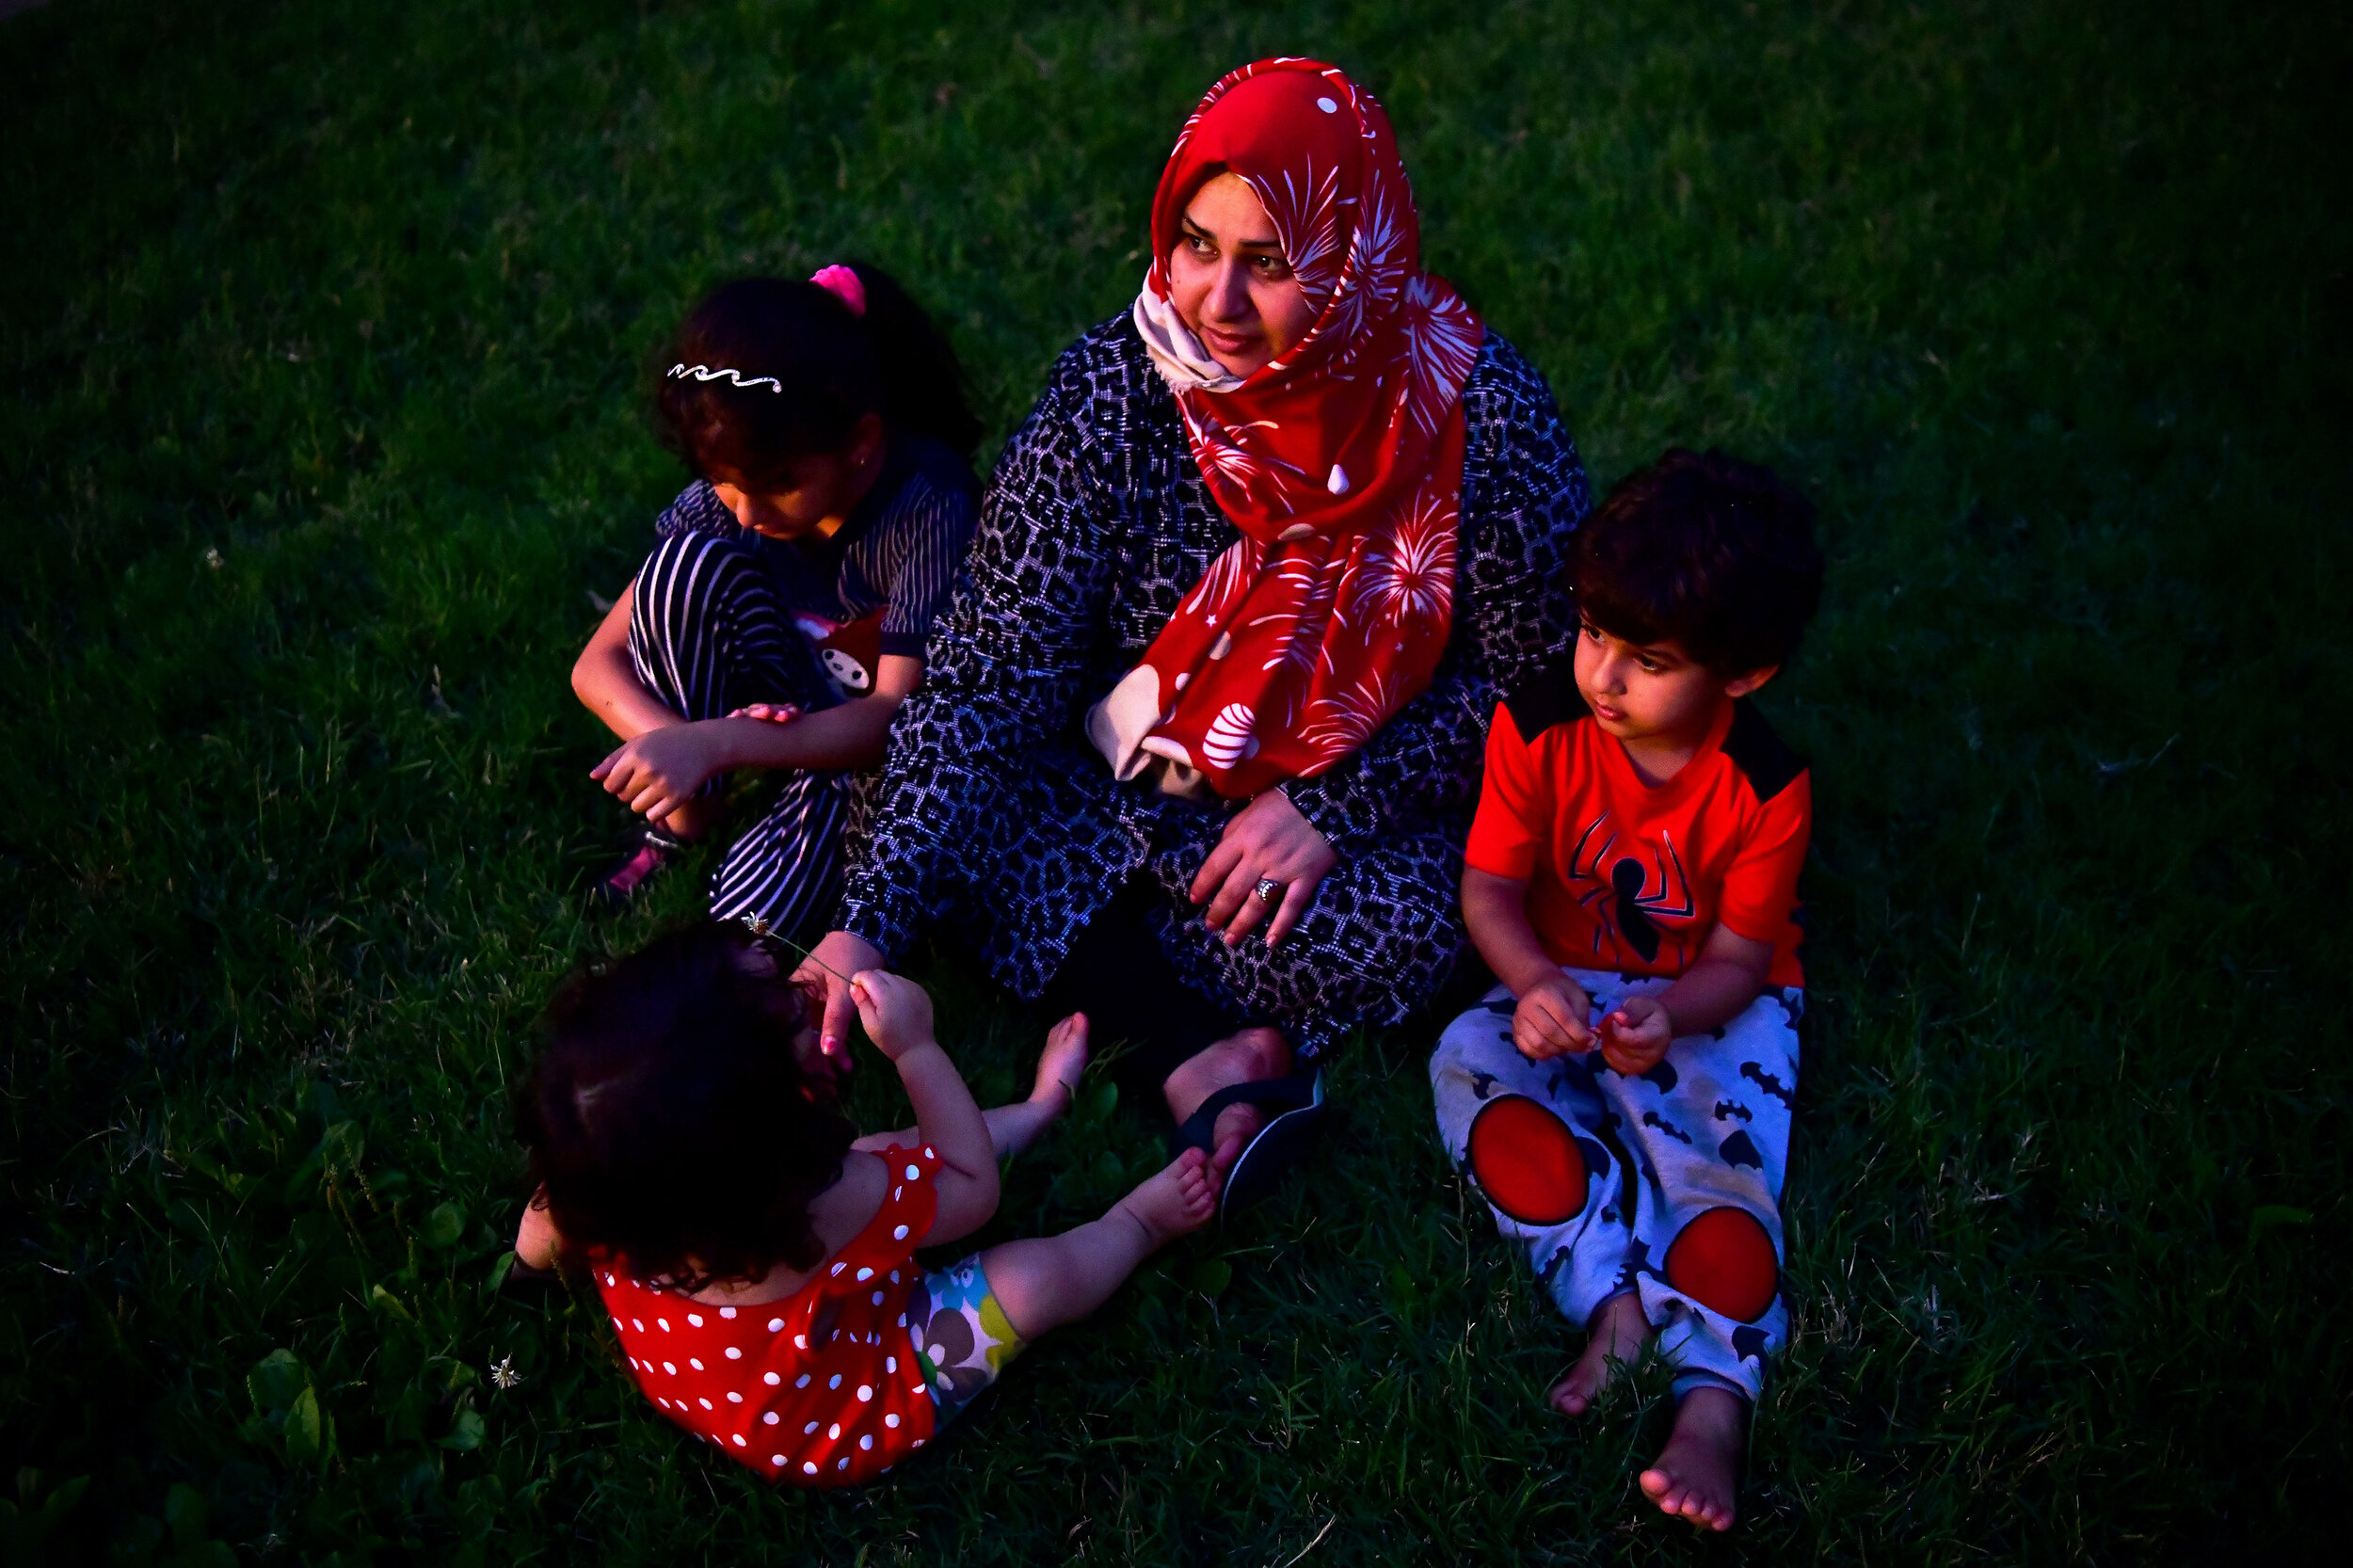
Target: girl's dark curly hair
{"points": [[668, 1118], [834, 368]]}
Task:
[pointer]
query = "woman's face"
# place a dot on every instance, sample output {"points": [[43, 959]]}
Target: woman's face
{"points": [[1229, 281]]}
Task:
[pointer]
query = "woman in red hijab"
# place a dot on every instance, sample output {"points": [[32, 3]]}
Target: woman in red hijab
{"points": [[1203, 724]]}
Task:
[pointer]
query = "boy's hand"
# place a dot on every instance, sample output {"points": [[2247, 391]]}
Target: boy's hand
{"points": [[895, 1010], [1550, 1019], [1636, 1035], [660, 771]]}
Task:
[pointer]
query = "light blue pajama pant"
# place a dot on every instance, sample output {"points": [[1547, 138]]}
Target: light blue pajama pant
{"points": [[1668, 1184]]}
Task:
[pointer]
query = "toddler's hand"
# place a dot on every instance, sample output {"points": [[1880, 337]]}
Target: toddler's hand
{"points": [[1636, 1035], [895, 1010], [1550, 1019]]}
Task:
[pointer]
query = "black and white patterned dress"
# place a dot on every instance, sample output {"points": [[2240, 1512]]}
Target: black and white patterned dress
{"points": [[995, 817]]}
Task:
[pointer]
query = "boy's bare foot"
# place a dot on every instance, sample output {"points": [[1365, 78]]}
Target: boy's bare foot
{"points": [[1178, 1201], [1697, 1474], [1247, 1057], [1619, 1331], [1061, 1064]]}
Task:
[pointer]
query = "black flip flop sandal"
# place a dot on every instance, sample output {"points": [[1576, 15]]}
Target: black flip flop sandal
{"points": [[1298, 1101]]}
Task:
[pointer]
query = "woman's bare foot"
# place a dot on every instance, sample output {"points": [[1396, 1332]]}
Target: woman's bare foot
{"points": [[1697, 1474], [1619, 1333], [1253, 1054], [1175, 1202], [1061, 1064]]}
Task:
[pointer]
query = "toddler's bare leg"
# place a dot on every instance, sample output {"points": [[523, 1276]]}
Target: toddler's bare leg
{"points": [[1054, 1280], [1014, 1128], [1619, 1333], [1697, 1474]]}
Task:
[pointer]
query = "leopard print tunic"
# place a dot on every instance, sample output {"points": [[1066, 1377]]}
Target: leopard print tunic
{"points": [[993, 818]]}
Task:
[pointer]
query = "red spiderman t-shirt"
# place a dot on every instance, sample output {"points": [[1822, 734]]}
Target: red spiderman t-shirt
{"points": [[822, 1388], [1632, 876]]}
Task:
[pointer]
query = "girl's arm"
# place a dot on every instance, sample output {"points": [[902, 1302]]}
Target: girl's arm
{"points": [[851, 735], [657, 770], [607, 684], [898, 1019]]}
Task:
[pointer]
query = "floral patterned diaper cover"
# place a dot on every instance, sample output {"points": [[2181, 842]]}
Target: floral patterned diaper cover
{"points": [[963, 1338]]}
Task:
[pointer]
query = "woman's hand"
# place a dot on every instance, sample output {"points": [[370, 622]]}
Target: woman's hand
{"points": [[827, 971], [1267, 839], [662, 769]]}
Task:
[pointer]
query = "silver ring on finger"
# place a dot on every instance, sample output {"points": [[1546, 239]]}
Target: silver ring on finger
{"points": [[1268, 892]]}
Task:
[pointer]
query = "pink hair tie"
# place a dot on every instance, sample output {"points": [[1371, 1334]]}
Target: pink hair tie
{"points": [[843, 285]]}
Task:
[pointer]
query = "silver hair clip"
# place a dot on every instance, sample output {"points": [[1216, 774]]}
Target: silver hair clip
{"points": [[704, 373]]}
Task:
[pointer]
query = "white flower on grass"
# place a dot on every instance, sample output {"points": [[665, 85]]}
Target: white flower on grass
{"points": [[504, 1374]]}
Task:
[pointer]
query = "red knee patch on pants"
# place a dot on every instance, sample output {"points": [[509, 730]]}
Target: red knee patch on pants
{"points": [[1725, 1261], [1527, 1161]]}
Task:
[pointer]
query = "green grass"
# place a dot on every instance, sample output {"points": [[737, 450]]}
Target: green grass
{"points": [[323, 331]]}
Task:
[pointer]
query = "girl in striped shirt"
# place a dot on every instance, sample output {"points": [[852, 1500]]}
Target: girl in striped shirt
{"points": [[782, 615]]}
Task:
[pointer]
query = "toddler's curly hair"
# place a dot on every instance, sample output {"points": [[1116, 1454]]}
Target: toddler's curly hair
{"points": [[670, 1119]]}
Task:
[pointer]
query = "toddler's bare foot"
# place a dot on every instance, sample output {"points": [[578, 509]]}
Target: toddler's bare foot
{"points": [[1697, 1474], [1061, 1064], [1619, 1333], [1176, 1201]]}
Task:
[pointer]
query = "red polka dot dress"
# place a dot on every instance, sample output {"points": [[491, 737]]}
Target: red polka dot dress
{"points": [[822, 1388]]}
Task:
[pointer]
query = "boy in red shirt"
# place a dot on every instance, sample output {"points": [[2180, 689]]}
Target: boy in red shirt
{"points": [[1623, 1097]]}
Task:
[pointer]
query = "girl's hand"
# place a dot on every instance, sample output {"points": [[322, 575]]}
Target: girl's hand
{"points": [[896, 1011], [661, 770], [1550, 1019], [1636, 1035], [1267, 839]]}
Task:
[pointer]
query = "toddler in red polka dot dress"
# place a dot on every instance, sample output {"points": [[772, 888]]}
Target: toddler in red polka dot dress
{"points": [[756, 1257]]}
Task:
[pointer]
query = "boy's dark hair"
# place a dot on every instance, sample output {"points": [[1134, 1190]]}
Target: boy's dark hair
{"points": [[835, 368], [1703, 550], [667, 1116]]}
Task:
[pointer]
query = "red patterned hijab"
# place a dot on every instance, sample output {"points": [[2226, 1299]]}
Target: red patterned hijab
{"points": [[1341, 462]]}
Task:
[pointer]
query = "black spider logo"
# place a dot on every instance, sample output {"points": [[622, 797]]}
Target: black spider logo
{"points": [[1634, 896]]}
